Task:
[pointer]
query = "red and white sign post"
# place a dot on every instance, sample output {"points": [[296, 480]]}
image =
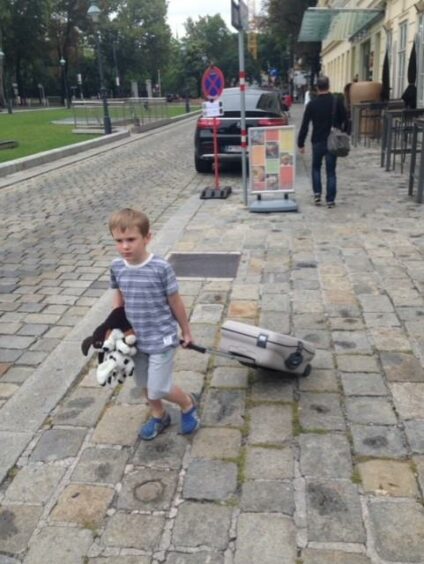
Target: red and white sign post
{"points": [[212, 87]]}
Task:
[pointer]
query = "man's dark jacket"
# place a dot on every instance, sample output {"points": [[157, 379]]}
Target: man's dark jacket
{"points": [[319, 111]]}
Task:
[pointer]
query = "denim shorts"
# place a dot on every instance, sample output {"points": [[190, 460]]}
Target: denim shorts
{"points": [[154, 372]]}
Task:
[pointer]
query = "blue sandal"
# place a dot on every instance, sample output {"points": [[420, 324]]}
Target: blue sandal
{"points": [[154, 426]]}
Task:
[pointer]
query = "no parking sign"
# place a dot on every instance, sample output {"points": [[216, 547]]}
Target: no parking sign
{"points": [[212, 83]]}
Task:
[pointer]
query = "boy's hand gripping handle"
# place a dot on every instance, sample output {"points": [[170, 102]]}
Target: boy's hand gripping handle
{"points": [[194, 347]]}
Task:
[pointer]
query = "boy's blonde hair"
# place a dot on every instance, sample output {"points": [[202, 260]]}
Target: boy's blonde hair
{"points": [[129, 218]]}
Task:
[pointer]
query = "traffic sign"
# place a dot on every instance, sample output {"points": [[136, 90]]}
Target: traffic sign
{"points": [[212, 83], [239, 15]]}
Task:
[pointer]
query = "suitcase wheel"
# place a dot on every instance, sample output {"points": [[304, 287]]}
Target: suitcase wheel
{"points": [[307, 370]]}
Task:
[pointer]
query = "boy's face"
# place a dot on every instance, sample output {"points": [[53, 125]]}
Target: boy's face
{"points": [[131, 244]]}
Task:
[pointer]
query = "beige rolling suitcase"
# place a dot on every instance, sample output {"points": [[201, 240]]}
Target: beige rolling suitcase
{"points": [[261, 348]]}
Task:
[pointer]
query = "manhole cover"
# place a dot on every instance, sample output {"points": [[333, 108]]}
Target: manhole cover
{"points": [[148, 491], [205, 265]]}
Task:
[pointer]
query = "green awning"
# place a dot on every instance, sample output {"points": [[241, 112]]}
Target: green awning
{"points": [[337, 24]]}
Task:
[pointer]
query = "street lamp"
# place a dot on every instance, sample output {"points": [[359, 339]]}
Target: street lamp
{"points": [[94, 14], [186, 96], [62, 63], [2, 98], [2, 84], [115, 62]]}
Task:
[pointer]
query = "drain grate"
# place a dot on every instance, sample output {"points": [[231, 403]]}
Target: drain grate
{"points": [[205, 265]]}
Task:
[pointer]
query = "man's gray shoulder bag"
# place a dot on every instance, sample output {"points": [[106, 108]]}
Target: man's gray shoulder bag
{"points": [[338, 142]]}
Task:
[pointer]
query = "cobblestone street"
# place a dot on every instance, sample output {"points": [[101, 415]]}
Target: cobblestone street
{"points": [[284, 470]]}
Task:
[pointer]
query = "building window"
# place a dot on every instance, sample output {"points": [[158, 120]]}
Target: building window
{"points": [[403, 30]]}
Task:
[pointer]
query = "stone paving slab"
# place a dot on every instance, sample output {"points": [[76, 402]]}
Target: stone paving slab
{"points": [[334, 512], [265, 537], [61, 544], [400, 534]]}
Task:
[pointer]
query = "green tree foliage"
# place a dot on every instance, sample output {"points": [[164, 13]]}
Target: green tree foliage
{"points": [[282, 25], [142, 39], [23, 25], [136, 44], [208, 41]]}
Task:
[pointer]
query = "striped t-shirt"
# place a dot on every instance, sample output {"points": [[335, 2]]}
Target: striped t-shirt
{"points": [[145, 288]]}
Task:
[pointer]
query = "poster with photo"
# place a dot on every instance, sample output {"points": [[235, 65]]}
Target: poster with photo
{"points": [[272, 159]]}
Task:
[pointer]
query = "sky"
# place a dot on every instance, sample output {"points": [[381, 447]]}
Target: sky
{"points": [[180, 10]]}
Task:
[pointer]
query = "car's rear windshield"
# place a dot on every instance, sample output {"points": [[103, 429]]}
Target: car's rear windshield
{"points": [[266, 102]]}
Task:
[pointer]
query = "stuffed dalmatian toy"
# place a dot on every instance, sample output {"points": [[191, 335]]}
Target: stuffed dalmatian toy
{"points": [[117, 363], [115, 342]]}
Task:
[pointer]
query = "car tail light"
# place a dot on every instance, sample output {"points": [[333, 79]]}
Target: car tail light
{"points": [[266, 122], [207, 123]]}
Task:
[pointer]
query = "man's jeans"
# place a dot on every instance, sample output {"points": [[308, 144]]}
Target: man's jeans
{"points": [[319, 151]]}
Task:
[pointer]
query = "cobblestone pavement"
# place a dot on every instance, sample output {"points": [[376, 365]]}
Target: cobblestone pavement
{"points": [[328, 468], [55, 248]]}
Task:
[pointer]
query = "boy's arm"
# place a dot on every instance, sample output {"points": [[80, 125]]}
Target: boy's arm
{"points": [[178, 309], [118, 299]]}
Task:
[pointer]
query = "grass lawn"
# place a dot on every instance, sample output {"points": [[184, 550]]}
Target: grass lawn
{"points": [[35, 133]]}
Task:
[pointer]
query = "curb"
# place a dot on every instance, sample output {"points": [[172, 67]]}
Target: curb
{"points": [[24, 163]]}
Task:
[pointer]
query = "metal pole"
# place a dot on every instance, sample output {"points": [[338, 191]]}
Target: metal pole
{"points": [[187, 99], [115, 62], [103, 93], [243, 132], [65, 82], [215, 151]]}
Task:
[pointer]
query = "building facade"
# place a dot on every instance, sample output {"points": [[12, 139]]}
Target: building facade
{"points": [[393, 27]]}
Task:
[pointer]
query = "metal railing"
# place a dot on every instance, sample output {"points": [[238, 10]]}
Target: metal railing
{"points": [[417, 154], [367, 124], [123, 111], [397, 136]]}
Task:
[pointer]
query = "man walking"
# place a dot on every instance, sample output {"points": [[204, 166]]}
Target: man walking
{"points": [[324, 111]]}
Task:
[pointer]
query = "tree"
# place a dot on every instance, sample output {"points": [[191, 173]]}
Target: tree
{"points": [[283, 22], [24, 26], [207, 41], [142, 38]]}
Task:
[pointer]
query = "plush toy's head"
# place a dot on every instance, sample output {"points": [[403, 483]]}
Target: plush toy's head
{"points": [[116, 320]]}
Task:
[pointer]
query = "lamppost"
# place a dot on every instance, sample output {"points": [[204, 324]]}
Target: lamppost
{"points": [[115, 63], [186, 96], [94, 14], [2, 97], [62, 63], [3, 88]]}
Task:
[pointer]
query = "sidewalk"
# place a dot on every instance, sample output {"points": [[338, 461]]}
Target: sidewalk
{"points": [[328, 468]]}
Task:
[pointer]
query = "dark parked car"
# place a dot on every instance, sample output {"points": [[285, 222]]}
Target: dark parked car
{"points": [[263, 109]]}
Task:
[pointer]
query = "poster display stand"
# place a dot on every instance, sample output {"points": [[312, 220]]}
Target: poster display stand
{"points": [[272, 168]]}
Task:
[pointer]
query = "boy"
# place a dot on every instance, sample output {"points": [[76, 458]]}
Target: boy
{"points": [[146, 286]]}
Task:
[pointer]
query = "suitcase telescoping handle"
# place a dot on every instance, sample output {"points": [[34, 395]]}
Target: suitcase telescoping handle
{"points": [[243, 359]]}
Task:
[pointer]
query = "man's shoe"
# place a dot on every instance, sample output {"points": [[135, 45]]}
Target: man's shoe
{"points": [[190, 420], [317, 199], [331, 204], [154, 426]]}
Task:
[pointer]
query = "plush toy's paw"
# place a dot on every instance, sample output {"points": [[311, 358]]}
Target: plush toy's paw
{"points": [[104, 372], [110, 343], [122, 347], [130, 339]]}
